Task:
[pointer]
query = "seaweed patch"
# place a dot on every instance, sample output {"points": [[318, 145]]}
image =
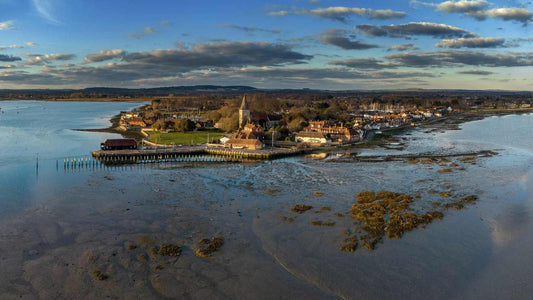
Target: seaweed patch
{"points": [[206, 247]]}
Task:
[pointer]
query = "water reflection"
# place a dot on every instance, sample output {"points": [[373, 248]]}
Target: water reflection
{"points": [[31, 128], [515, 218], [510, 224]]}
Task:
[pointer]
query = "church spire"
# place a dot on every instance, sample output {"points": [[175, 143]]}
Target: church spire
{"points": [[244, 113], [244, 104]]}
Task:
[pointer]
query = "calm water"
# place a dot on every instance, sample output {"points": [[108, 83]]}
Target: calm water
{"points": [[512, 132], [31, 128], [70, 224]]}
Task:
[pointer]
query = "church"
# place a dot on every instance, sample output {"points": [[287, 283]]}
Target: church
{"points": [[249, 135], [244, 113]]}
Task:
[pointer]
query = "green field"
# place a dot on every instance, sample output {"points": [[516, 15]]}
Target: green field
{"points": [[185, 138]]}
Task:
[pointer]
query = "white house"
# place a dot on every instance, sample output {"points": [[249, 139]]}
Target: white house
{"points": [[311, 137]]}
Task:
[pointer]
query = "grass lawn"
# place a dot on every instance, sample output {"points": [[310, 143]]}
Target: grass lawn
{"points": [[185, 138]]}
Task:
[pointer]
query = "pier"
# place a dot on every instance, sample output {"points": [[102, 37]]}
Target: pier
{"points": [[76, 164], [191, 154]]}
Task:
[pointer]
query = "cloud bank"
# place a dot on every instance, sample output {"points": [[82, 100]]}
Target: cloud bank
{"points": [[341, 13], [414, 28], [478, 42], [337, 37]]}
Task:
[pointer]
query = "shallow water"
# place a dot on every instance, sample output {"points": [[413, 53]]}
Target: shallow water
{"points": [[52, 247], [39, 128]]}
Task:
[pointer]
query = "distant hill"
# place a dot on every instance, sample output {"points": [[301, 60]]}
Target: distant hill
{"points": [[169, 90], [123, 93], [132, 94]]}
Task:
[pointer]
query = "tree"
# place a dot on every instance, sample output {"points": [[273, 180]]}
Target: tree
{"points": [[264, 103], [183, 125], [152, 114], [455, 103], [214, 115], [297, 124], [321, 105], [160, 125], [229, 124], [281, 132]]}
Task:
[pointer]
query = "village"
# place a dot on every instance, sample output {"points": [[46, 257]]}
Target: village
{"points": [[253, 130]]}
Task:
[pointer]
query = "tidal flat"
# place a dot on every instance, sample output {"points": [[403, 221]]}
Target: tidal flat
{"points": [[135, 233]]}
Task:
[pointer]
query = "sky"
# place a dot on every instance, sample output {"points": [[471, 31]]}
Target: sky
{"points": [[317, 44]]}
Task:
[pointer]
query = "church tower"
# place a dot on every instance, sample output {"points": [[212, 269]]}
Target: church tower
{"points": [[244, 113]]}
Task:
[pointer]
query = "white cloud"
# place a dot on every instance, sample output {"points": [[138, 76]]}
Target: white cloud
{"points": [[7, 25], [476, 42], [510, 13], [104, 55], [341, 13], [149, 30], [17, 46], [43, 59], [403, 47], [11, 47], [475, 72], [463, 6], [280, 13], [250, 29], [146, 31], [480, 10], [44, 8], [7, 67]]}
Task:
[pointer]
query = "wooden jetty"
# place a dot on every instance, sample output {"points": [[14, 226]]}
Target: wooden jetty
{"points": [[191, 154], [146, 155]]}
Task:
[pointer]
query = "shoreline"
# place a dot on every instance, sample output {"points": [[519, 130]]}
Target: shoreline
{"points": [[82, 100], [116, 129], [450, 122]]}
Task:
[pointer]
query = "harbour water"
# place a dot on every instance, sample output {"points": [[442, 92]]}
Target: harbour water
{"points": [[59, 228], [43, 130]]}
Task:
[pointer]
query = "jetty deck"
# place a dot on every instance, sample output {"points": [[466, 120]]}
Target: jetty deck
{"points": [[149, 151], [191, 153]]}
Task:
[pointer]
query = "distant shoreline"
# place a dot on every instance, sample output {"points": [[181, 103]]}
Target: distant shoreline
{"points": [[136, 100], [115, 128]]}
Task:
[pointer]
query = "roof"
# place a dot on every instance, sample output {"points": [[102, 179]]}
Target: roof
{"points": [[244, 142], [244, 104], [244, 135], [120, 142], [313, 123], [136, 120], [274, 117], [311, 134], [259, 116]]}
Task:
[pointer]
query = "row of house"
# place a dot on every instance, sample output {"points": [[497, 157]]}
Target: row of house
{"points": [[320, 132], [376, 120]]}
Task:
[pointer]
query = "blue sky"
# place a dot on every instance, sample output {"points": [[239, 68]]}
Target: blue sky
{"points": [[466, 44]]}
